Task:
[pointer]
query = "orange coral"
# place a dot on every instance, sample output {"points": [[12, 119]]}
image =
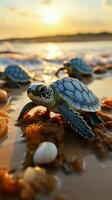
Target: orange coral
{"points": [[107, 104]]}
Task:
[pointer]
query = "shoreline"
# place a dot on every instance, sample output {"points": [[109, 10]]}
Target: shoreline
{"points": [[63, 38]]}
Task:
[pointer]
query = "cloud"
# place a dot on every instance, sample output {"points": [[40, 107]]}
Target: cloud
{"points": [[21, 12], [86, 25]]}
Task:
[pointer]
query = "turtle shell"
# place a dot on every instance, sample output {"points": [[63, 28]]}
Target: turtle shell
{"points": [[76, 95], [17, 73], [80, 65]]}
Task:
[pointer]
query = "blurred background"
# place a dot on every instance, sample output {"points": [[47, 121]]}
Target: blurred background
{"points": [[31, 18]]}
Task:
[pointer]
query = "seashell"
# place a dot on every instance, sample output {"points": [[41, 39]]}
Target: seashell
{"points": [[45, 153], [3, 96]]}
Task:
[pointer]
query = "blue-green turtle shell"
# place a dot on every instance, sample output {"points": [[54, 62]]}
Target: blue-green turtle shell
{"points": [[76, 95], [17, 73], [80, 65]]}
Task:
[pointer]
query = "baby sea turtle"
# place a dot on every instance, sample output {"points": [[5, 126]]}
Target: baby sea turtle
{"points": [[15, 74], [76, 68], [69, 97]]}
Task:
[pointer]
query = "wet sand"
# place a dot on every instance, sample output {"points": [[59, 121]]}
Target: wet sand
{"points": [[94, 183]]}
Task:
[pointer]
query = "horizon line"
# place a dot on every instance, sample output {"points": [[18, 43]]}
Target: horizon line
{"points": [[64, 36]]}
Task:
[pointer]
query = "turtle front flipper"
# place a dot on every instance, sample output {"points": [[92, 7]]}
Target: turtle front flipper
{"points": [[26, 109], [57, 73], [76, 122]]}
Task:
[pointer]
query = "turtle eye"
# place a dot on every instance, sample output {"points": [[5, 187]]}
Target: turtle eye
{"points": [[42, 89]]}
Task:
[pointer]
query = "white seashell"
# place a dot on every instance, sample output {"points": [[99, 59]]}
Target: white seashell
{"points": [[45, 153]]}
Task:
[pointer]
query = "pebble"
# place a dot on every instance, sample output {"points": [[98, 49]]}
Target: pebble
{"points": [[45, 153], [78, 165], [31, 174], [11, 108], [3, 96]]}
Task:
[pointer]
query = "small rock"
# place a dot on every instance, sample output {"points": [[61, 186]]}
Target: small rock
{"points": [[45, 153], [41, 172], [31, 174], [11, 108], [78, 165], [3, 96], [58, 181]]}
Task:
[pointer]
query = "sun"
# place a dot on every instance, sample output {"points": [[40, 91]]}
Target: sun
{"points": [[50, 17]]}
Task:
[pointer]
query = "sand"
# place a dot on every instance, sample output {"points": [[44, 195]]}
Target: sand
{"points": [[94, 183]]}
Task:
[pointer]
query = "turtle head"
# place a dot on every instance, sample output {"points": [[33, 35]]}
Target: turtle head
{"points": [[68, 67], [67, 64], [41, 94]]}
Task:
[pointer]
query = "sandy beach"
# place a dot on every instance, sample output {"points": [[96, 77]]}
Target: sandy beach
{"points": [[95, 182]]}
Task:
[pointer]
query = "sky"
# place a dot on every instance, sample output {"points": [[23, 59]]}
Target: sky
{"points": [[30, 18]]}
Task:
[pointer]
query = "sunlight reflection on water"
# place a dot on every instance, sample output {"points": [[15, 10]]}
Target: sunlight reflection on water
{"points": [[53, 51], [51, 55]]}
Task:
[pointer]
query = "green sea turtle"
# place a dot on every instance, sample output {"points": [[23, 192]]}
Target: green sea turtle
{"points": [[76, 68], [15, 74], [69, 97]]}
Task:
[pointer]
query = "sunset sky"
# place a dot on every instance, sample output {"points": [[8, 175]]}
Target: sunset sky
{"points": [[28, 18]]}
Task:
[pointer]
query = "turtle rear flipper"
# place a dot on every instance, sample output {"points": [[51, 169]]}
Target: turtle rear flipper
{"points": [[76, 122]]}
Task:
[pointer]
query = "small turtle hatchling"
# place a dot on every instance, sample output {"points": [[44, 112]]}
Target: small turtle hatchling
{"points": [[76, 68], [69, 97], [15, 75]]}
